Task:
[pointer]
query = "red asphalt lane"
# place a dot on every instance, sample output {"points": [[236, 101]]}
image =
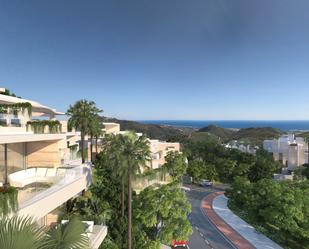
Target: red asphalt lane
{"points": [[233, 236]]}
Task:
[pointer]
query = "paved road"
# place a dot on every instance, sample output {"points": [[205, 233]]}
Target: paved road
{"points": [[205, 235]]}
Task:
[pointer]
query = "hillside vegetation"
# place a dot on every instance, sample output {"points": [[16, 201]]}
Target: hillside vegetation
{"points": [[153, 131], [254, 136], [221, 133]]}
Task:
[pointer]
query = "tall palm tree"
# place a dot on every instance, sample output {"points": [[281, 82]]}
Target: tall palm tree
{"points": [[95, 131], [23, 232], [136, 152], [81, 115], [114, 147]]}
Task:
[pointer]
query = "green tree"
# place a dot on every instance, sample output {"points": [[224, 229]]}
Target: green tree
{"points": [[113, 148], [107, 189], [196, 170], [95, 131], [200, 170], [162, 214], [81, 116], [175, 164], [225, 169], [263, 168]]}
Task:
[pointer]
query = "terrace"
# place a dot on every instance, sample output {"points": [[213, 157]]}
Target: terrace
{"points": [[41, 190]]}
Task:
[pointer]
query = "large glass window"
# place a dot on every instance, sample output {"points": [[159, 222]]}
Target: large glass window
{"points": [[15, 158]]}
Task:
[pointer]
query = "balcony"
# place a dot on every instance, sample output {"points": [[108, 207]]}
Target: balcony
{"points": [[41, 190]]}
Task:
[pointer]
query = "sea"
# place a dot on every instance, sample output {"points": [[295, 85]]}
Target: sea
{"points": [[284, 125]]}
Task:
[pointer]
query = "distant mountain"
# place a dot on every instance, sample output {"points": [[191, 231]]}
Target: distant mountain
{"points": [[254, 136], [222, 133], [153, 131]]}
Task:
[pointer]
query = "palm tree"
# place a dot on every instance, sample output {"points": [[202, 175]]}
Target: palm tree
{"points": [[81, 115], [136, 153], [95, 131], [23, 232], [114, 147]]}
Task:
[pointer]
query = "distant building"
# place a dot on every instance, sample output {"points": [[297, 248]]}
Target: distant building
{"points": [[291, 151], [246, 148]]}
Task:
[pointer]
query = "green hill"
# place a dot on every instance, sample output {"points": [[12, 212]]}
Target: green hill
{"points": [[153, 131], [256, 136], [221, 133]]}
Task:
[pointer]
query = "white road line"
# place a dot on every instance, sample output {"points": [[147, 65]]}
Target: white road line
{"points": [[207, 241], [201, 234], [196, 227]]}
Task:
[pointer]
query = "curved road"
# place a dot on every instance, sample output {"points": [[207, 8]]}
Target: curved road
{"points": [[205, 235]]}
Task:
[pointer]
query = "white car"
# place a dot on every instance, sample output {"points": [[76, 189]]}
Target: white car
{"points": [[205, 183], [186, 189]]}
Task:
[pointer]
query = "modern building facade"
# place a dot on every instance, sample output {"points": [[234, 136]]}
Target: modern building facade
{"points": [[38, 156]]}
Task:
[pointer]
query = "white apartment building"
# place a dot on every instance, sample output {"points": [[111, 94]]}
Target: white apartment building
{"points": [[40, 162], [246, 148], [290, 150]]}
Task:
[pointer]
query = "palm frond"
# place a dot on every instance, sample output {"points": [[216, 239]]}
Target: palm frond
{"points": [[68, 236], [20, 233]]}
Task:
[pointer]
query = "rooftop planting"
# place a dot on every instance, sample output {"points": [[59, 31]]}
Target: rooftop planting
{"points": [[15, 108], [38, 126]]}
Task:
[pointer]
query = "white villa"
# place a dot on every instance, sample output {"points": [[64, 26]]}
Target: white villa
{"points": [[39, 159]]}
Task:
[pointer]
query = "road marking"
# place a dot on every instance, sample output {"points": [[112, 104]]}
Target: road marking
{"points": [[207, 241], [196, 227], [201, 234]]}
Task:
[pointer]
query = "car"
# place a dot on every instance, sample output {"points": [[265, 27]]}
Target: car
{"points": [[180, 244], [205, 183], [186, 189]]}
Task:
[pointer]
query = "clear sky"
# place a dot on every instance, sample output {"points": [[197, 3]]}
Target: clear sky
{"points": [[160, 59]]}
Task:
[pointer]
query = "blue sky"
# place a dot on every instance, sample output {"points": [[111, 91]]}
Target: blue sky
{"points": [[162, 59]]}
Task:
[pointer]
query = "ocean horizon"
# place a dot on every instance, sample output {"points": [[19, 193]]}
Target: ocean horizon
{"points": [[284, 125]]}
